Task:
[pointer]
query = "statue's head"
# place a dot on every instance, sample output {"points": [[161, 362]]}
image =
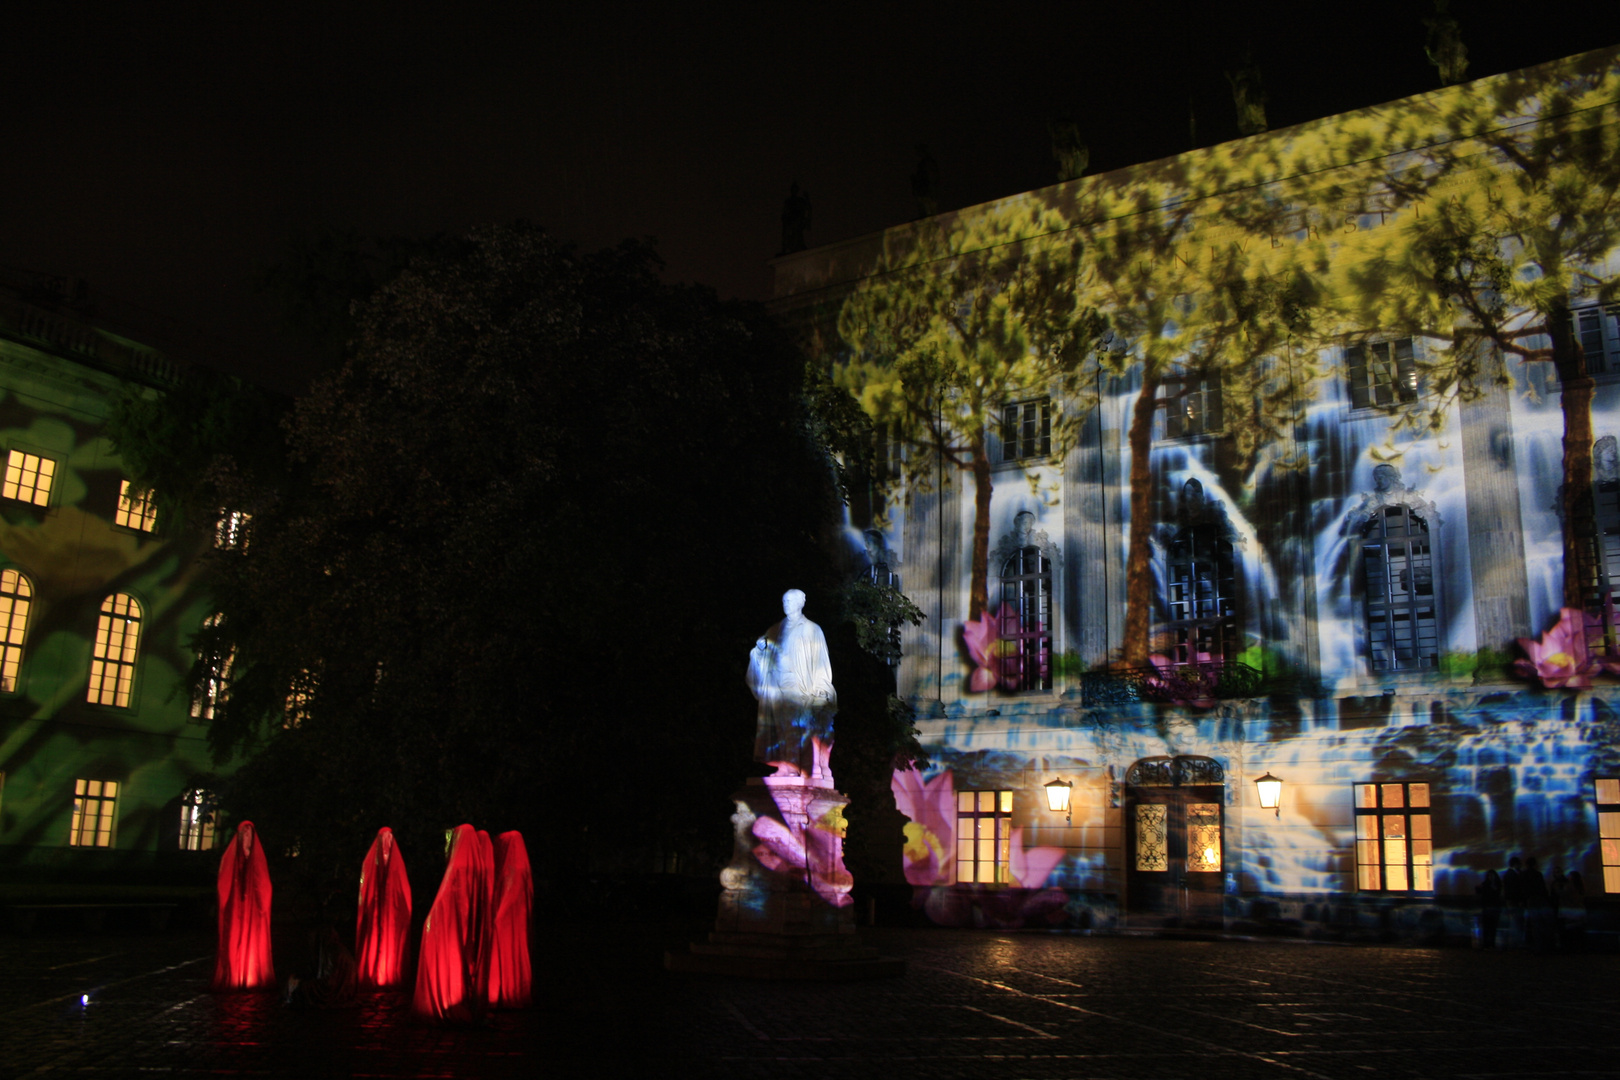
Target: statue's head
{"points": [[793, 603]]}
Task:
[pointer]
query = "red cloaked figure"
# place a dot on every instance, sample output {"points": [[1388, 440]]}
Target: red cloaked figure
{"points": [[449, 985], [244, 961], [382, 928], [487, 940], [510, 977]]}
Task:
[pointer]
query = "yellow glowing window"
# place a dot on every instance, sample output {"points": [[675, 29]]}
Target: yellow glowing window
{"points": [[196, 820], [1608, 812], [135, 508], [95, 808], [215, 688], [29, 478], [1394, 838], [112, 662], [231, 531], [983, 837], [15, 594]]}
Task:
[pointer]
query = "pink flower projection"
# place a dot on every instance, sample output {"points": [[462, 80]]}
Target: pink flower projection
{"points": [[1560, 659], [1181, 684], [982, 637], [929, 857], [814, 847]]}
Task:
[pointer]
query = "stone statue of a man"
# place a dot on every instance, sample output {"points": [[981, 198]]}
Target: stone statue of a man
{"points": [[790, 674]]}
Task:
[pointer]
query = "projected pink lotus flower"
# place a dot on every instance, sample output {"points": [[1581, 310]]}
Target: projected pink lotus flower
{"points": [[982, 637], [816, 849], [1560, 659], [1030, 869], [929, 857]]}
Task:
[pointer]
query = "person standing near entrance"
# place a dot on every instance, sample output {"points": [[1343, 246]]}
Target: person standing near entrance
{"points": [[1538, 908], [1513, 898], [1490, 908]]}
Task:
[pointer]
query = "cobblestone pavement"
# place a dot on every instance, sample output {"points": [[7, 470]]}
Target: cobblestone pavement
{"points": [[973, 1004]]}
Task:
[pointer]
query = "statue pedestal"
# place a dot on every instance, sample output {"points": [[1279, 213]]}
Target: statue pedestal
{"points": [[785, 909]]}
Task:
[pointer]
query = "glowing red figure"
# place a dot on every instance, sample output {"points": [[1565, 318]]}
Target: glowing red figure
{"points": [[487, 936], [510, 977], [383, 925], [244, 960], [449, 984]]}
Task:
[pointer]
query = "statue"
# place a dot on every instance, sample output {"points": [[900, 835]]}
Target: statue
{"points": [[790, 675], [1248, 96], [511, 978], [450, 982], [383, 922], [244, 962], [795, 220]]}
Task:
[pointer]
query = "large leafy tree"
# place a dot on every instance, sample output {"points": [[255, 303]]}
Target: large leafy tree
{"points": [[511, 553]]}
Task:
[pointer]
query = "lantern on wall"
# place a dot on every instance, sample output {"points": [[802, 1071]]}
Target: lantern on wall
{"points": [[1057, 798], [1270, 793]]}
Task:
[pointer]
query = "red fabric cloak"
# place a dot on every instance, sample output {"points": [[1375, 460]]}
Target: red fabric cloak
{"points": [[510, 977], [487, 934], [243, 961], [449, 986], [382, 928]]}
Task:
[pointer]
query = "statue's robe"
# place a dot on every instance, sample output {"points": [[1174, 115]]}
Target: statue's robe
{"points": [[449, 982], [790, 673], [243, 961], [510, 973], [383, 924]]}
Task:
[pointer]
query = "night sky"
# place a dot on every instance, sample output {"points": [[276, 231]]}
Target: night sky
{"points": [[167, 152]]}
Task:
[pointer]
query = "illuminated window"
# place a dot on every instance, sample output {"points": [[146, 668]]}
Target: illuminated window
{"points": [[216, 684], [1600, 570], [299, 698], [95, 808], [1403, 632], [1026, 430], [197, 820], [1598, 330], [15, 594], [1394, 844], [1203, 597], [1192, 405], [28, 478], [1025, 649], [135, 508], [1608, 812], [1382, 373], [112, 663], [231, 531], [983, 837]]}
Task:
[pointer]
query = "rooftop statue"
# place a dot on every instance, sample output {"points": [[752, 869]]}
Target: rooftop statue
{"points": [[791, 676]]}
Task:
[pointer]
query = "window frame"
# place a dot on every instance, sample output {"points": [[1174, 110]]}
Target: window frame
{"points": [[102, 829], [1017, 448], [1608, 338], [215, 689], [1405, 385], [1381, 604], [970, 868], [197, 820], [1194, 420], [231, 530], [10, 482], [1606, 805], [126, 665], [1184, 649], [1024, 650], [1375, 839], [13, 637], [137, 513]]}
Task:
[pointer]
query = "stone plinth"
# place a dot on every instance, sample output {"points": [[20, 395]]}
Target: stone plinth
{"points": [[785, 909]]}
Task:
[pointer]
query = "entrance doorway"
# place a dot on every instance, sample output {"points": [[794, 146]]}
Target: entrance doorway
{"points": [[1175, 849]]}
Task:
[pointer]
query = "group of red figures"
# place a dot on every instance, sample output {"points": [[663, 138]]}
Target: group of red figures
{"points": [[474, 952]]}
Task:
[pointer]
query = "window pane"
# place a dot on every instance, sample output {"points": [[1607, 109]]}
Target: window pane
{"points": [[1393, 796], [1394, 825], [1608, 790], [1420, 826], [1368, 876], [1367, 851], [1367, 827], [1367, 796], [1006, 802], [1611, 851], [1422, 852], [1418, 794], [987, 802], [1609, 823], [1423, 878], [964, 852], [1394, 852], [964, 801], [1396, 876]]}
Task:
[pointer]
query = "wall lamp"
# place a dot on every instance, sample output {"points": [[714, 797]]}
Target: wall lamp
{"points": [[1057, 798], [1270, 793]]}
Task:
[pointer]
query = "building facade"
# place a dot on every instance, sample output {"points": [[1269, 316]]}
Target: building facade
{"points": [[1291, 457], [103, 755]]}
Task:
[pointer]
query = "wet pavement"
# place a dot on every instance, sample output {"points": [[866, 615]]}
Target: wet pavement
{"points": [[973, 1004]]}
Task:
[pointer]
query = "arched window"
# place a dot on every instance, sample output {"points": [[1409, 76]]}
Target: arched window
{"points": [[1203, 600], [112, 662], [216, 684], [15, 598], [1026, 621], [1403, 626]]}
